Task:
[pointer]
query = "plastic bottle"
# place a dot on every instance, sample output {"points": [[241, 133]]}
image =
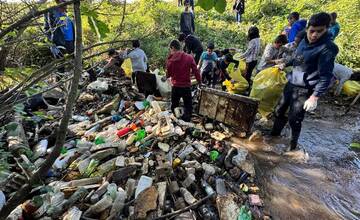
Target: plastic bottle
{"points": [[144, 183], [132, 127], [92, 130], [112, 190], [100, 206], [189, 180], [118, 204], [91, 167], [80, 118], [140, 134], [185, 152], [99, 140], [201, 148], [188, 197], [155, 105], [40, 149], [208, 189]]}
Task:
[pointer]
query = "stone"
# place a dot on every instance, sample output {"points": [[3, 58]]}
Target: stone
{"points": [[227, 207], [255, 200], [255, 136]]}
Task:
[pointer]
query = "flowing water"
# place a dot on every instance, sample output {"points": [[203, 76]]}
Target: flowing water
{"points": [[322, 182]]}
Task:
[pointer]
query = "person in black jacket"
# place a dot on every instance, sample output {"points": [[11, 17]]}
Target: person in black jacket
{"points": [[192, 45], [187, 24], [310, 78], [239, 8]]}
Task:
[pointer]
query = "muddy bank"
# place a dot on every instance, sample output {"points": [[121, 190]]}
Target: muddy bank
{"points": [[321, 181]]}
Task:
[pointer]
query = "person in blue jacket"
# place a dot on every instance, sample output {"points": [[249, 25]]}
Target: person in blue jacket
{"points": [[59, 29], [310, 78], [297, 25], [335, 26]]}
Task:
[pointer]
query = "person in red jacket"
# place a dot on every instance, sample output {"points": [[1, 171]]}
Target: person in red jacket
{"points": [[180, 66]]}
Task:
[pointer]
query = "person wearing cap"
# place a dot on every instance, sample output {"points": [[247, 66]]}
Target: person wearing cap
{"points": [[309, 79], [180, 67], [192, 45], [272, 53], [297, 25], [187, 23], [59, 29], [207, 63]]}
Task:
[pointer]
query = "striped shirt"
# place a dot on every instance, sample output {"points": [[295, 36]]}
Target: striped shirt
{"points": [[253, 50]]}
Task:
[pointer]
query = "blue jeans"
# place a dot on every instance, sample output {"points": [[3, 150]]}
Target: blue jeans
{"points": [[238, 17]]}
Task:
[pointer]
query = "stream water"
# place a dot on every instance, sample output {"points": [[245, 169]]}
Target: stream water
{"points": [[322, 182]]}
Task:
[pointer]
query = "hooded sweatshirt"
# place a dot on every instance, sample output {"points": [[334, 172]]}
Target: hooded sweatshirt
{"points": [[313, 64], [180, 66], [296, 28]]}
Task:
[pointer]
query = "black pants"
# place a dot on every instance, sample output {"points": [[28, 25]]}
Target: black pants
{"points": [[249, 69], [185, 93], [293, 98], [197, 56]]}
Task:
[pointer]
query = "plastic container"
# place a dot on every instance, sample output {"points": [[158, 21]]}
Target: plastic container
{"points": [[144, 183]]}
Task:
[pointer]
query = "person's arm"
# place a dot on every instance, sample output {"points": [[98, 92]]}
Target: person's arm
{"points": [[325, 68], [268, 55], [109, 64], [250, 48], [182, 22], [200, 61], [193, 21], [195, 71], [168, 69]]}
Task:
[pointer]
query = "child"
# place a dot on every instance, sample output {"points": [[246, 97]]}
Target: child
{"points": [[207, 63], [272, 53]]}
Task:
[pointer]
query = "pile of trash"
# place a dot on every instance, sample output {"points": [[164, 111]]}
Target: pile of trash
{"points": [[127, 157]]}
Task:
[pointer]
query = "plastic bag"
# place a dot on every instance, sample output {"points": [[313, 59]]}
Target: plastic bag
{"points": [[267, 88], [163, 87], [127, 67], [245, 214], [351, 88], [241, 84], [238, 74], [235, 88]]}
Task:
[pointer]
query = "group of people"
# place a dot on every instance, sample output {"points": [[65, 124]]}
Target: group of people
{"points": [[306, 45]]}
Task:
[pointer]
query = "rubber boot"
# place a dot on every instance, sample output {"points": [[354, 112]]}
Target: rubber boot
{"points": [[278, 126]]}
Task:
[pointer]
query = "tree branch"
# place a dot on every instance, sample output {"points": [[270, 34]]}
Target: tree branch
{"points": [[21, 194], [30, 16]]}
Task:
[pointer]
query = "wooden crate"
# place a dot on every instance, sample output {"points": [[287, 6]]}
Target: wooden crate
{"points": [[234, 110]]}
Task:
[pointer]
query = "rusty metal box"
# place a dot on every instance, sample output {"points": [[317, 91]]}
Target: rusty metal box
{"points": [[234, 110]]}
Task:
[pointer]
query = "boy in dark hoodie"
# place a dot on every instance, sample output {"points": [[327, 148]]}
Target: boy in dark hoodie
{"points": [[310, 78], [180, 66], [192, 45]]}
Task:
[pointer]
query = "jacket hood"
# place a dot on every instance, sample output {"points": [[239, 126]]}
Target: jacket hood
{"points": [[176, 56]]}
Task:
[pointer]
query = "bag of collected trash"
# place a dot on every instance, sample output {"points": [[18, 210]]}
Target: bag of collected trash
{"points": [[267, 88], [235, 88], [127, 67], [100, 85], [351, 88], [237, 74], [242, 63], [163, 87]]}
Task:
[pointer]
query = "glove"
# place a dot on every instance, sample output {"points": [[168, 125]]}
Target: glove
{"points": [[281, 66], [163, 79], [56, 52], [310, 104], [100, 70]]}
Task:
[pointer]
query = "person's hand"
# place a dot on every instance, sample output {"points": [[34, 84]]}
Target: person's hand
{"points": [[163, 79], [281, 66], [311, 103], [198, 66], [232, 81], [101, 70]]}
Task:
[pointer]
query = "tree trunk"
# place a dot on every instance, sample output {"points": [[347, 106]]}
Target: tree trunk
{"points": [[20, 196]]}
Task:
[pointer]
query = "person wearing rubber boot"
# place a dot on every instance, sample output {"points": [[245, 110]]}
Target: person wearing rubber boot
{"points": [[310, 78]]}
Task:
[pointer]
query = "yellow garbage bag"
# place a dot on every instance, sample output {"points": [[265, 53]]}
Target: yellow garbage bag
{"points": [[242, 63], [351, 88], [235, 88], [127, 67], [267, 88], [241, 83]]}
